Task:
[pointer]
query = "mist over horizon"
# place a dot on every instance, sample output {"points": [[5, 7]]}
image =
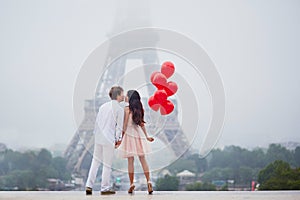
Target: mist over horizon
{"points": [[254, 45]]}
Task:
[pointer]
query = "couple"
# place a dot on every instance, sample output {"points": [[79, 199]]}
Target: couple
{"points": [[116, 126]]}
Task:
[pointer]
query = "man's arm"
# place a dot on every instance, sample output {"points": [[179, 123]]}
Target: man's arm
{"points": [[119, 127]]}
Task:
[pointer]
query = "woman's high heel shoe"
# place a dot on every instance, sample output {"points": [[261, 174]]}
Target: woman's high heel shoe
{"points": [[131, 189], [150, 189]]}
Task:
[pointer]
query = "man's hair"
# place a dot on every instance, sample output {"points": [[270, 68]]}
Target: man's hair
{"points": [[115, 91]]}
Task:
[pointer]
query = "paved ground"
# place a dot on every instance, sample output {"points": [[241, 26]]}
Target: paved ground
{"points": [[273, 195]]}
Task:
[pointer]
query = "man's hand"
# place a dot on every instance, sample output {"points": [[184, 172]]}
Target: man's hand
{"points": [[117, 144]]}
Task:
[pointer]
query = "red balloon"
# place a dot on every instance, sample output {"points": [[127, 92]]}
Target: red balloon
{"points": [[152, 76], [171, 88], [166, 108], [159, 101], [159, 80], [160, 96], [167, 69], [153, 103]]}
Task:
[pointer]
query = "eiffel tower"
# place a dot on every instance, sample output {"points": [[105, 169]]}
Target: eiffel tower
{"points": [[79, 151]]}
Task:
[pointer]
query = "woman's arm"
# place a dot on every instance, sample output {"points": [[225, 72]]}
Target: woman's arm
{"points": [[150, 139]]}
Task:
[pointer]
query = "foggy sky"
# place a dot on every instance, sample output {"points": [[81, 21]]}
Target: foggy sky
{"points": [[255, 46]]}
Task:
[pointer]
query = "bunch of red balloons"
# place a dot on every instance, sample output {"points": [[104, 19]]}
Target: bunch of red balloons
{"points": [[159, 101]]}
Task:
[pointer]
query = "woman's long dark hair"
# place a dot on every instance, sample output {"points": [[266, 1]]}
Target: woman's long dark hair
{"points": [[136, 107]]}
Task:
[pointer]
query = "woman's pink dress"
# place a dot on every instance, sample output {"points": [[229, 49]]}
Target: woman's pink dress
{"points": [[134, 141]]}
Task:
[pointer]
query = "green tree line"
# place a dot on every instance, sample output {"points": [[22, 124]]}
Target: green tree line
{"points": [[234, 163], [243, 165], [30, 170], [279, 176]]}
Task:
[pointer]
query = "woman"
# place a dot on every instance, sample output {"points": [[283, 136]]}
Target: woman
{"points": [[134, 142]]}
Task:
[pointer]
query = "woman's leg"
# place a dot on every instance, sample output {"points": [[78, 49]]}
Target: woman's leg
{"points": [[146, 172], [131, 169], [145, 167]]}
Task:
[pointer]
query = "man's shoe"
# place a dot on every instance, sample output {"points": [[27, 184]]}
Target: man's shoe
{"points": [[88, 191], [108, 192]]}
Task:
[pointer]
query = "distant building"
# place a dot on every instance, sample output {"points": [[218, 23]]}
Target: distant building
{"points": [[185, 177]]}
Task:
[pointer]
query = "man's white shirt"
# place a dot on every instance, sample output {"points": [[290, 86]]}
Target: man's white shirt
{"points": [[109, 123]]}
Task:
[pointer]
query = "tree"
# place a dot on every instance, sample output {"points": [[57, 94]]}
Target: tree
{"points": [[218, 174], [30, 170], [22, 179], [219, 159], [201, 187], [258, 159], [245, 174], [277, 152], [279, 176], [168, 183], [297, 156], [200, 163], [44, 157], [182, 164], [60, 166]]}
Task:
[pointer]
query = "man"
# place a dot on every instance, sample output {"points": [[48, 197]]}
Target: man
{"points": [[108, 136]]}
